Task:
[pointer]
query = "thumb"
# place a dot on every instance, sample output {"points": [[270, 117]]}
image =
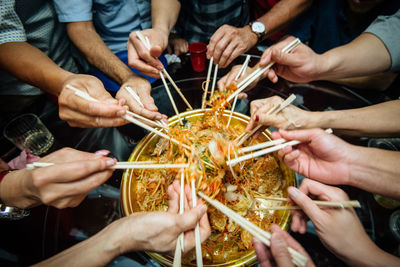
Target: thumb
{"points": [[189, 219], [279, 250], [305, 203]]}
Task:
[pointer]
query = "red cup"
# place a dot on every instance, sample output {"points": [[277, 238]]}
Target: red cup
{"points": [[198, 56]]}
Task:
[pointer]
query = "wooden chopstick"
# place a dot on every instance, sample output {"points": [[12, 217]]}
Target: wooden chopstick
{"points": [[259, 71], [131, 119], [254, 230], [243, 68], [274, 110], [214, 80], [199, 255], [147, 44], [203, 102], [171, 98], [267, 150], [119, 165], [180, 246]]}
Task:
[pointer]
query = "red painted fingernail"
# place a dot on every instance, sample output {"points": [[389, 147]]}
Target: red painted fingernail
{"points": [[257, 118]]}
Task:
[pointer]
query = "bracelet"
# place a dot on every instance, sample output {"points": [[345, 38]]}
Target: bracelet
{"points": [[7, 212]]}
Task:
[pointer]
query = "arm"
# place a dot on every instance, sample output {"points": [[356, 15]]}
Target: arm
{"points": [[164, 16], [377, 120], [328, 159], [340, 230], [154, 231], [61, 186]]}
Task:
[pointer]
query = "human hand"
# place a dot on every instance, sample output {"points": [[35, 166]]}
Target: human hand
{"points": [[340, 230], [300, 65], [320, 156], [230, 77], [79, 112], [142, 59], [177, 46], [291, 117], [159, 231], [229, 42], [142, 87], [277, 254], [63, 185]]}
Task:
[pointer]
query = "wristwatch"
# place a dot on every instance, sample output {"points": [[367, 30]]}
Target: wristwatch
{"points": [[258, 28]]}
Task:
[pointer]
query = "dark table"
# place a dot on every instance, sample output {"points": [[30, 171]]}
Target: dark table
{"points": [[48, 231]]}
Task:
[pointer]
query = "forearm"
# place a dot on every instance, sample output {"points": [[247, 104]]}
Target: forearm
{"points": [[29, 64], [86, 39], [164, 14], [375, 170], [373, 257], [365, 55], [381, 120], [282, 14], [98, 250]]}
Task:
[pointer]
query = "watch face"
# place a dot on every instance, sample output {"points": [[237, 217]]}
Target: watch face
{"points": [[258, 27]]}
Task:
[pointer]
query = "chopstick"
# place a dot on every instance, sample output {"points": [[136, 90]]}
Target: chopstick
{"points": [[274, 110], [130, 119], [147, 44], [243, 68], [259, 71], [171, 98], [199, 256], [319, 203], [214, 80], [203, 102], [180, 246], [267, 150], [119, 165], [260, 234], [161, 123]]}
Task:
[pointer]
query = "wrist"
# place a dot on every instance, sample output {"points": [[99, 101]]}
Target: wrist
{"points": [[252, 36]]}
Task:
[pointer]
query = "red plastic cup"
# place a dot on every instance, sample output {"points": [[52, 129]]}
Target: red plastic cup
{"points": [[198, 56]]}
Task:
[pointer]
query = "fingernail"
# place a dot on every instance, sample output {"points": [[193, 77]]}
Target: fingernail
{"points": [[158, 117], [293, 192], [110, 162], [122, 101], [121, 112], [276, 238], [102, 152], [257, 118], [255, 240]]}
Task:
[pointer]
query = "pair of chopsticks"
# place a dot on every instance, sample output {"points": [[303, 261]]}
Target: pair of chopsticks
{"points": [[180, 244], [259, 71], [272, 146], [121, 165], [203, 102], [147, 44], [275, 110], [241, 72], [137, 122], [319, 203], [160, 123], [264, 236]]}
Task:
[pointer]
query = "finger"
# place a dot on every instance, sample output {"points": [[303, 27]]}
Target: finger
{"points": [[263, 253], [236, 52], [242, 96], [265, 58], [214, 40], [322, 191], [77, 119], [226, 54], [189, 219], [220, 48], [173, 200], [279, 250], [155, 52], [304, 136], [71, 171], [289, 240], [222, 83], [149, 56], [147, 100], [305, 203]]}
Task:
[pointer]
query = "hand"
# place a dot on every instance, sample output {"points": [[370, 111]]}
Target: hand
{"points": [[177, 46], [300, 65], [63, 185], [289, 118], [339, 229], [277, 254], [140, 58], [230, 77], [142, 87], [79, 112], [229, 42], [159, 231], [320, 156]]}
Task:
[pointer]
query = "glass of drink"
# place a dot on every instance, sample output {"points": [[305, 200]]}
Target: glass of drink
{"points": [[28, 132]]}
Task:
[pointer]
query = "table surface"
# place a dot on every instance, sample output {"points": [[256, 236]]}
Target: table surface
{"points": [[48, 231]]}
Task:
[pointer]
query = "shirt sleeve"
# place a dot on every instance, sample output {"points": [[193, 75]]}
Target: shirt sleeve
{"points": [[73, 10], [11, 28], [387, 28]]}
